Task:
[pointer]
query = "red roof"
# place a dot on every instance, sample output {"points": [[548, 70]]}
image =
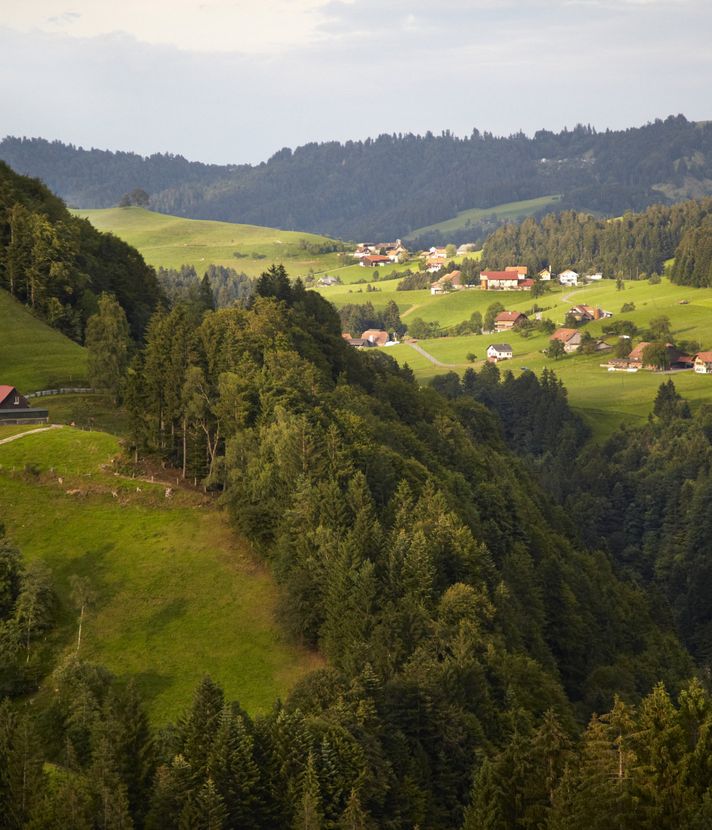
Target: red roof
{"points": [[705, 357], [500, 275], [508, 316], [520, 269], [564, 334], [526, 283], [5, 392], [376, 258]]}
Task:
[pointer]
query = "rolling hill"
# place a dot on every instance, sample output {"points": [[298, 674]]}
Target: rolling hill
{"points": [[393, 184], [35, 356], [171, 241]]}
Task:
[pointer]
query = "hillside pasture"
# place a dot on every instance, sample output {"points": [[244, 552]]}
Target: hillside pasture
{"points": [[178, 594], [171, 241], [508, 211], [33, 355]]}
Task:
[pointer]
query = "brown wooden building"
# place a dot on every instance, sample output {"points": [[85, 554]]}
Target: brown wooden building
{"points": [[16, 409]]}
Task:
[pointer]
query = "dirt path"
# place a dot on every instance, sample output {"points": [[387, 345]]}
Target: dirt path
{"points": [[29, 432]]}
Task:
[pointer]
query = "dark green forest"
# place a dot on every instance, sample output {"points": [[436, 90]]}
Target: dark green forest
{"points": [[394, 184], [517, 624], [634, 246], [58, 264]]}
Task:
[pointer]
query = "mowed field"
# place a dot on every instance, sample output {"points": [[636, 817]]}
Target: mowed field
{"points": [[604, 398], [34, 356], [510, 210], [170, 241], [178, 595]]}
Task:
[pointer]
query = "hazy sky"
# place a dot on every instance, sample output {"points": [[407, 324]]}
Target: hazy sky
{"points": [[235, 80]]}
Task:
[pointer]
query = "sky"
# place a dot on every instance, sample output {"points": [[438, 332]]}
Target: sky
{"points": [[233, 81]]}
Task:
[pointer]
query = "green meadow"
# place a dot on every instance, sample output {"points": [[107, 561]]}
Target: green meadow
{"points": [[178, 595], [510, 210], [170, 241], [604, 398], [33, 355]]}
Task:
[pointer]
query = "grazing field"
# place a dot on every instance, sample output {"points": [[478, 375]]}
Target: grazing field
{"points": [[604, 398], [33, 355], [171, 241], [509, 210], [178, 594]]}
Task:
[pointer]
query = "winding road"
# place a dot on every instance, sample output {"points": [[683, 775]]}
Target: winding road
{"points": [[29, 432]]}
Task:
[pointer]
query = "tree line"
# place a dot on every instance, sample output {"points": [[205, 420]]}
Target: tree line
{"points": [[419, 180], [58, 264]]}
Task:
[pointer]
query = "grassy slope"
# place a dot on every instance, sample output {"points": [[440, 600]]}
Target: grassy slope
{"points": [[170, 241], [34, 356], [178, 595], [604, 398], [510, 210]]}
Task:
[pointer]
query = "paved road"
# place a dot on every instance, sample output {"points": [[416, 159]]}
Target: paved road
{"points": [[29, 432], [434, 360]]}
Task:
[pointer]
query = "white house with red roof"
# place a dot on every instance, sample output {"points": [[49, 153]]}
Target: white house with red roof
{"points": [[703, 363]]}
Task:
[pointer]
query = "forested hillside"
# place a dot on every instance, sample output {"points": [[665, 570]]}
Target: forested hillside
{"points": [[477, 601], [58, 265], [394, 184], [635, 245]]}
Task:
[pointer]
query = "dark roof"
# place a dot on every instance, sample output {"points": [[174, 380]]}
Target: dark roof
{"points": [[500, 347]]}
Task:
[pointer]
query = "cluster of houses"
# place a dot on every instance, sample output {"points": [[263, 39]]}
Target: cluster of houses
{"points": [[16, 409], [372, 255], [676, 359], [513, 278]]}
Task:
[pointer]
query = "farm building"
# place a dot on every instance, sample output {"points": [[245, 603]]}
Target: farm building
{"points": [[16, 409], [448, 282], [507, 320], [585, 313], [499, 280], [374, 261], [571, 338], [376, 337], [676, 358], [703, 363], [568, 277], [499, 351]]}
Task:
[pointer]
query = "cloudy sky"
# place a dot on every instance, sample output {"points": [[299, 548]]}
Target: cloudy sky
{"points": [[235, 80]]}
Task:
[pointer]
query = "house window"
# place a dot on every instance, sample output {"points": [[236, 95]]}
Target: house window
{"points": [[17, 400]]}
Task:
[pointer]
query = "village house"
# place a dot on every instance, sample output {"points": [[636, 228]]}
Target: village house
{"points": [[374, 261], [376, 337], [397, 252], [499, 351], [499, 280], [544, 275], [568, 277], [448, 282], [571, 338], [703, 363], [586, 313], [507, 320], [676, 358], [16, 409]]}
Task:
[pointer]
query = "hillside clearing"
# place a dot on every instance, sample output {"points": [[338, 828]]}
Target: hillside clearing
{"points": [[179, 596]]}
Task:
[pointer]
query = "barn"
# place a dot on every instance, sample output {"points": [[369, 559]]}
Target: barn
{"points": [[16, 409]]}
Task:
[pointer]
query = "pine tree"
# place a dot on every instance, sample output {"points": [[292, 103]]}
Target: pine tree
{"points": [[205, 811], [308, 811], [107, 341]]}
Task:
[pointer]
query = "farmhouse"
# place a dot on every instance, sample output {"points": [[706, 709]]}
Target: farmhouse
{"points": [[507, 320], [571, 338], [499, 351], [376, 337], [448, 282], [499, 280], [374, 260], [703, 363], [568, 277], [585, 313], [16, 409], [676, 358]]}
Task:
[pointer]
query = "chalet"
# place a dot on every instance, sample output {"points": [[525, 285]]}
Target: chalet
{"points": [[586, 313], [676, 358], [16, 409], [499, 351], [568, 277], [448, 282], [544, 275], [703, 363], [571, 338], [499, 280], [374, 261], [507, 320], [376, 337]]}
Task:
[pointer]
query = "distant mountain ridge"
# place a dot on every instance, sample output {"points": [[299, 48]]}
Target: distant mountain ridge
{"points": [[391, 185]]}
